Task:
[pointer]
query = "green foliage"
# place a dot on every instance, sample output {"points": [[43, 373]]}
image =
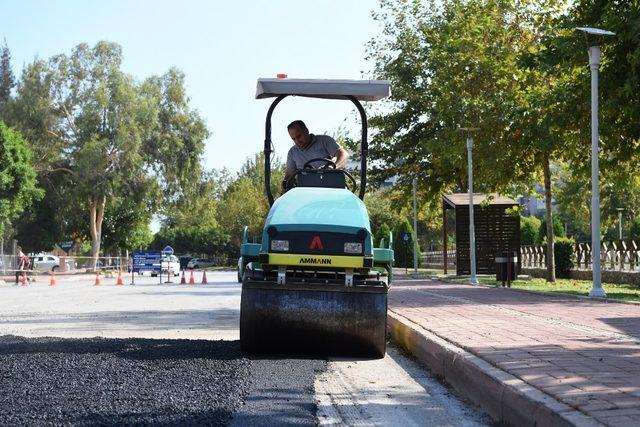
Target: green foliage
{"points": [[558, 230], [529, 230], [634, 229], [7, 80], [380, 209], [399, 247], [381, 233], [564, 255], [192, 240], [18, 184], [113, 136]]}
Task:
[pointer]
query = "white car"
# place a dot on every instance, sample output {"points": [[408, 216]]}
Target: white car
{"points": [[169, 263], [46, 263]]}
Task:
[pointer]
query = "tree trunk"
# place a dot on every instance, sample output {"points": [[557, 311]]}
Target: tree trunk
{"points": [[96, 215], [551, 264]]}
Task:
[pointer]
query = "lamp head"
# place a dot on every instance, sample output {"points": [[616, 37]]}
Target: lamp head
{"points": [[594, 36]]}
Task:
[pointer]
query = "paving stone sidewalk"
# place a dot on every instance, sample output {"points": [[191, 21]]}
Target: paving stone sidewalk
{"points": [[584, 353]]}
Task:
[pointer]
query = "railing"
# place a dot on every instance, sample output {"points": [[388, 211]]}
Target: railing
{"points": [[622, 255], [435, 259]]}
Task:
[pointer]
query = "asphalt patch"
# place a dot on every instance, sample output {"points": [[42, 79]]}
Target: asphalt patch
{"points": [[281, 392], [53, 381]]}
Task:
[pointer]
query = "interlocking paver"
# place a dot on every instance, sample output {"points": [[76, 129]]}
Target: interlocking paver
{"points": [[584, 353]]}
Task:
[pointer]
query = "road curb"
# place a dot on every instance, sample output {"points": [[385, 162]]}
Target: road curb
{"points": [[506, 398]]}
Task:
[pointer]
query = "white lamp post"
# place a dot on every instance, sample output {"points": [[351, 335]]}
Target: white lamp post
{"points": [[415, 227], [620, 221], [593, 34], [472, 233]]}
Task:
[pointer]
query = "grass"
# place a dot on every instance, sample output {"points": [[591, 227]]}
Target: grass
{"points": [[622, 292]]}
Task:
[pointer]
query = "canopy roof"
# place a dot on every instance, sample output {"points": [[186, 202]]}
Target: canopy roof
{"points": [[362, 90], [462, 199]]}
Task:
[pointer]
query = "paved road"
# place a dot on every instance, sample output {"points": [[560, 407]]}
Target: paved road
{"points": [[169, 354]]}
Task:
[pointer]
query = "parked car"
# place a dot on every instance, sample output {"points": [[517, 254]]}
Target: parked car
{"points": [[200, 263], [168, 263], [46, 263], [184, 261]]}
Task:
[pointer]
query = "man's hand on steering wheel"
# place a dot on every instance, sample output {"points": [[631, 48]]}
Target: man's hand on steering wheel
{"points": [[328, 164]]}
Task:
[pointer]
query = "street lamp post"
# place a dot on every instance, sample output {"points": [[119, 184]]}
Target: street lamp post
{"points": [[592, 35], [415, 227], [472, 233], [620, 222]]}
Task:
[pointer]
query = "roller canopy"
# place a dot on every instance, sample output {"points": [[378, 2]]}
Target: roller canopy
{"points": [[362, 90]]}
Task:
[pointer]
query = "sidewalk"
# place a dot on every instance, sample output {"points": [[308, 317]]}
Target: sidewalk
{"points": [[525, 358]]}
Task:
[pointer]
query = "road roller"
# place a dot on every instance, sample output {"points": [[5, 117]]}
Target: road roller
{"points": [[315, 284]]}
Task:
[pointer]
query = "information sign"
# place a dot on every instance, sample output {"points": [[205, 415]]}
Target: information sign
{"points": [[146, 261], [406, 237]]}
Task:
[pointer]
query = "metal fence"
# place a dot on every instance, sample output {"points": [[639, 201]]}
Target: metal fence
{"points": [[622, 255]]}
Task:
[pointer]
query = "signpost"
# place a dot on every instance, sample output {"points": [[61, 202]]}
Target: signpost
{"points": [[406, 238], [145, 261], [167, 252]]}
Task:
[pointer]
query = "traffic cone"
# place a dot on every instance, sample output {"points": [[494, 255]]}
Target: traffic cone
{"points": [[97, 279], [119, 281], [183, 281], [191, 281], [204, 278], [52, 281], [24, 279]]}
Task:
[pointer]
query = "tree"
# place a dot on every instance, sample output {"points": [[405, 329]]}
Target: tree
{"points": [[7, 80], [112, 135], [558, 231], [381, 233], [18, 184], [529, 230], [470, 64], [403, 252]]}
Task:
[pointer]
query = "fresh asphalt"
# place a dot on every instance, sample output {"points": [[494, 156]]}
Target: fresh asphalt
{"points": [[184, 367]]}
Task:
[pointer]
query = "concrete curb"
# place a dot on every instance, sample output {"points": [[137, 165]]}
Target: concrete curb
{"points": [[506, 398]]}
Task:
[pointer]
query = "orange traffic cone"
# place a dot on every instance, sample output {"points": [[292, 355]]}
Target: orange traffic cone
{"points": [[183, 281], [191, 281], [204, 278], [119, 281], [97, 279], [52, 281], [24, 279]]}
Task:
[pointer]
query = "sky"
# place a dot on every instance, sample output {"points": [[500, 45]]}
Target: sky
{"points": [[223, 47]]}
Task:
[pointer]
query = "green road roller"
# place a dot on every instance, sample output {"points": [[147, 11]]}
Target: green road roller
{"points": [[316, 284]]}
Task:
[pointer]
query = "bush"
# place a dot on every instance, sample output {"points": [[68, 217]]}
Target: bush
{"points": [[529, 230], [564, 255], [381, 233], [558, 230], [399, 246], [634, 232]]}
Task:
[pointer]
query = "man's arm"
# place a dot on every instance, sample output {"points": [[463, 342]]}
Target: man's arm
{"points": [[341, 158]]}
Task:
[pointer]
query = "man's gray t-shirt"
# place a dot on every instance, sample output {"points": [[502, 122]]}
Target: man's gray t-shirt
{"points": [[322, 146]]}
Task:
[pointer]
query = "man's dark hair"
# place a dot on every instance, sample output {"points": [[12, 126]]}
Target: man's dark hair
{"points": [[297, 124]]}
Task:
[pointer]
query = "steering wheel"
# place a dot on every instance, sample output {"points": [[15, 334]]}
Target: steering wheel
{"points": [[328, 163], [289, 183]]}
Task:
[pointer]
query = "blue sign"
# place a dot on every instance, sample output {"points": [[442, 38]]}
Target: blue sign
{"points": [[146, 261], [406, 237], [168, 250]]}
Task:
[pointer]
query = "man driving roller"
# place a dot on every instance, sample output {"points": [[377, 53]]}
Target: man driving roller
{"points": [[308, 146]]}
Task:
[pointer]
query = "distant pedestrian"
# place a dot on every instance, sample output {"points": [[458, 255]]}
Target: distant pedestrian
{"points": [[23, 264]]}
